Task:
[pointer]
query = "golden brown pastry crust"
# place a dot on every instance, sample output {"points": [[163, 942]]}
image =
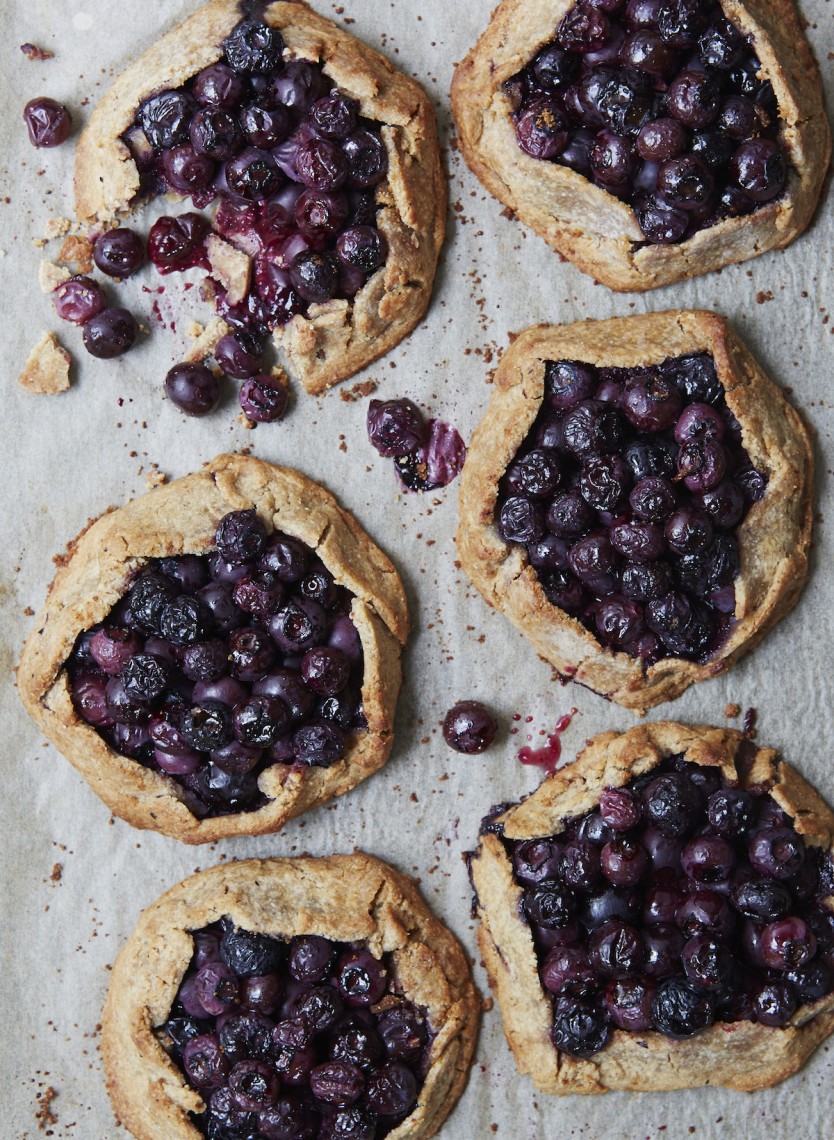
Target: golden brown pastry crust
{"points": [[336, 339], [741, 1055], [773, 539], [343, 897], [181, 517], [592, 228]]}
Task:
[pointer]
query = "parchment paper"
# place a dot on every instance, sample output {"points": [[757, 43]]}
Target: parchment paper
{"points": [[74, 880]]}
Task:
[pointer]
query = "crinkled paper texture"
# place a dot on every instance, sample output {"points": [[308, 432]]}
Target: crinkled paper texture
{"points": [[72, 880]]}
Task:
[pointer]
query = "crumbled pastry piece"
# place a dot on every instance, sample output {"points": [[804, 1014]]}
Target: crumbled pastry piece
{"points": [[77, 251], [56, 227], [206, 341], [232, 267], [47, 370], [50, 276]]}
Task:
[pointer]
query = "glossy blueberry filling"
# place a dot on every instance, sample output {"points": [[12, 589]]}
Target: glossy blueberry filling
{"points": [[215, 667], [295, 167], [659, 102], [291, 1040], [680, 901], [627, 494]]}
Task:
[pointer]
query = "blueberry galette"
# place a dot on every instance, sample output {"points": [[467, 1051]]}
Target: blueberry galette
{"points": [[648, 140], [288, 999], [220, 655], [660, 915], [638, 501], [324, 160]]}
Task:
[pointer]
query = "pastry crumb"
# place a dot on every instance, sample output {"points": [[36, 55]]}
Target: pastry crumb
{"points": [[155, 477], [77, 251], [57, 872], [194, 330], [46, 372], [207, 341], [358, 391], [45, 1115], [50, 276], [245, 422], [232, 267], [56, 227], [732, 710]]}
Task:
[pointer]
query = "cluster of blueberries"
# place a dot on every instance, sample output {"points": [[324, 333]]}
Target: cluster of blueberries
{"points": [[660, 103], [626, 494], [212, 668], [295, 166], [680, 901], [294, 1040]]}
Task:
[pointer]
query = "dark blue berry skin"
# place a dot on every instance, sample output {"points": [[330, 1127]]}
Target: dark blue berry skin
{"points": [[681, 1008], [185, 681], [579, 1028], [303, 1067], [248, 954]]}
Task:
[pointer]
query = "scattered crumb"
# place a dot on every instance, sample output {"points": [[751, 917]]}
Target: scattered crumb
{"points": [[45, 1116], [245, 422], [731, 711], [33, 52], [194, 330], [487, 1004], [358, 391], [762, 296], [47, 370], [57, 871], [232, 267], [155, 477], [77, 251], [56, 227], [206, 342], [50, 275]]}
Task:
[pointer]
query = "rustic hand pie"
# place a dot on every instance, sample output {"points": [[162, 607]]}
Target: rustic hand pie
{"points": [[647, 141], [289, 998], [220, 655], [323, 157], [638, 501], [660, 915]]}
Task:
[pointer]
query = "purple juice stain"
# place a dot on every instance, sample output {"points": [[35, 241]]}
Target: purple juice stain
{"points": [[436, 462]]}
